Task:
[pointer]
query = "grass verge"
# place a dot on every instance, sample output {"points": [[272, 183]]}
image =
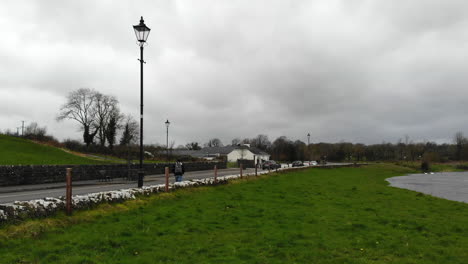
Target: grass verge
{"points": [[19, 151], [346, 215]]}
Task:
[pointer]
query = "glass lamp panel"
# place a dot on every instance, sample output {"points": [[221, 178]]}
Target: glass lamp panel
{"points": [[141, 32], [145, 34], [137, 34]]}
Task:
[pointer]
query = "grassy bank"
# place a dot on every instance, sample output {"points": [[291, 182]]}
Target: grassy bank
{"points": [[346, 215], [18, 151], [435, 166]]}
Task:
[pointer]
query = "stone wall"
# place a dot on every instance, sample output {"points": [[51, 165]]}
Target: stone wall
{"points": [[37, 174]]}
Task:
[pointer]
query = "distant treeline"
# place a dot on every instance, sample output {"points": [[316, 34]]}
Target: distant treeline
{"points": [[285, 149], [281, 149]]}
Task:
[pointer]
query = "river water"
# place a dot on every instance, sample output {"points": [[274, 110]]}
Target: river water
{"points": [[447, 185]]}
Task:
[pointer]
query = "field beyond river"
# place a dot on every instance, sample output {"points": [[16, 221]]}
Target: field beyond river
{"points": [[342, 215]]}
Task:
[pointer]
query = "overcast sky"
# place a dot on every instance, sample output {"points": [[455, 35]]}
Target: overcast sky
{"points": [[359, 71]]}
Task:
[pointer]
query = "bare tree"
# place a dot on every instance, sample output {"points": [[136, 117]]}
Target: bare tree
{"points": [[245, 141], [359, 151], [193, 146], [214, 142], [235, 141], [171, 145], [80, 106], [106, 108], [460, 142], [406, 139], [130, 131], [33, 130], [261, 141]]}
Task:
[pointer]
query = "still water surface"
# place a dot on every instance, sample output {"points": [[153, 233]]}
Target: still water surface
{"points": [[447, 185]]}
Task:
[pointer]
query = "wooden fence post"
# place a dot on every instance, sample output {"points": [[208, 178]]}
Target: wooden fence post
{"points": [[215, 174], [167, 178], [68, 196], [256, 167]]}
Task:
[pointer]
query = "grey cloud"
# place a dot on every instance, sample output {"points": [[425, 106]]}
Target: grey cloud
{"points": [[361, 71]]}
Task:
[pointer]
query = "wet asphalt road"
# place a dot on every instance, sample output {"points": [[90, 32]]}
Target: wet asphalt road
{"points": [[26, 193]]}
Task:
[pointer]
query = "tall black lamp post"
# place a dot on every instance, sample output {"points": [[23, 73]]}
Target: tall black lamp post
{"points": [[167, 138], [141, 32]]}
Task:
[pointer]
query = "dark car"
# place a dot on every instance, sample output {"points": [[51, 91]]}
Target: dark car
{"points": [[270, 165], [297, 163]]}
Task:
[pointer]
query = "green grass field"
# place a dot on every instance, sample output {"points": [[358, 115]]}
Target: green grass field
{"points": [[18, 151], [346, 215]]}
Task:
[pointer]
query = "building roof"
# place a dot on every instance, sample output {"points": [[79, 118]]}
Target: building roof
{"points": [[180, 152], [218, 151], [258, 151], [228, 149]]}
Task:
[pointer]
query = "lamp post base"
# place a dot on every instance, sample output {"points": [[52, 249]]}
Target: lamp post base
{"points": [[140, 179]]}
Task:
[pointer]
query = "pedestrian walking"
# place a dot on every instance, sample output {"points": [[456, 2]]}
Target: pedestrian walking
{"points": [[179, 170]]}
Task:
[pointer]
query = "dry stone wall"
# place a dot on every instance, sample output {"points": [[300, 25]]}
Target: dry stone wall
{"points": [[37, 174]]}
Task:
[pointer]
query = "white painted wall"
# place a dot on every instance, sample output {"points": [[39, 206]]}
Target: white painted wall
{"points": [[236, 154], [261, 157], [246, 154]]}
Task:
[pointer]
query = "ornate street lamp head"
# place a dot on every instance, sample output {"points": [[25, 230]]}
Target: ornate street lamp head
{"points": [[141, 32], [167, 123]]}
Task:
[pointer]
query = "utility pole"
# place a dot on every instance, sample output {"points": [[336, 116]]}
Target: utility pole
{"points": [[22, 129], [308, 139]]}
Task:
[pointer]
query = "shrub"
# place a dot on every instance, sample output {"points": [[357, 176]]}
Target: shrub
{"points": [[72, 144]]}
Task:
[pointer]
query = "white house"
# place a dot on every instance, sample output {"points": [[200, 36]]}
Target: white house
{"points": [[247, 153], [234, 153]]}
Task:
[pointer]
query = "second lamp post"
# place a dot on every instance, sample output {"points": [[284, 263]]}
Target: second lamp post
{"points": [[167, 138]]}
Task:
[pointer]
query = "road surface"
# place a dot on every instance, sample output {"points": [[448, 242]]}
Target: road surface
{"points": [[31, 192]]}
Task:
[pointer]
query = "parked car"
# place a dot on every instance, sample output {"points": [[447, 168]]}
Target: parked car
{"points": [[313, 163], [297, 163], [270, 165]]}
